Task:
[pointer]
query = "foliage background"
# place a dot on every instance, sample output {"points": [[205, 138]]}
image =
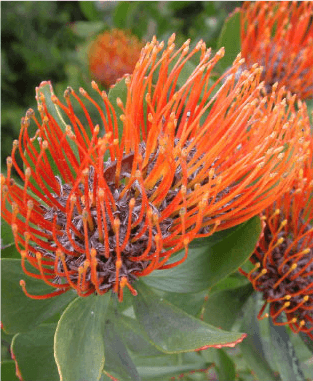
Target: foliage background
{"points": [[49, 41]]}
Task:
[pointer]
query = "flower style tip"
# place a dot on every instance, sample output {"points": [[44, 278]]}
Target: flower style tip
{"points": [[279, 37], [97, 208], [112, 55], [283, 259]]}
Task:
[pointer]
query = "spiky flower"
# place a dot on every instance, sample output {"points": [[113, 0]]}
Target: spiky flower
{"points": [[113, 54], [99, 207], [283, 259], [279, 37]]}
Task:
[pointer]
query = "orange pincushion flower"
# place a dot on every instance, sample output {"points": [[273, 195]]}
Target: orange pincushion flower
{"points": [[283, 259], [279, 37], [97, 210], [112, 55]]}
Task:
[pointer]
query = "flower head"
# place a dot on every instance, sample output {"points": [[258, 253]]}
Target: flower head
{"points": [[279, 37], [112, 55], [283, 259], [97, 210]]}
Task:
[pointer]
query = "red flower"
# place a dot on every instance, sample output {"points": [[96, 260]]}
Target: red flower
{"points": [[283, 260], [279, 37], [112, 55], [97, 210]]}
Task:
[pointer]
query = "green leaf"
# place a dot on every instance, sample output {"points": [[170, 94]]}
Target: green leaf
{"points": [[121, 14], [156, 368], [87, 29], [302, 352], [8, 371], [9, 251], [78, 345], [131, 16], [8, 248], [307, 340], [118, 361], [20, 313], [190, 303], [207, 265], [118, 91], [230, 39], [156, 373], [234, 280], [6, 234], [225, 366], [89, 10], [6, 345], [224, 314], [135, 337], [173, 330], [252, 347], [33, 353], [284, 354]]}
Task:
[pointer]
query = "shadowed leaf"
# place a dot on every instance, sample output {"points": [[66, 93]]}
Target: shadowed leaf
{"points": [[19, 312], [173, 330]]}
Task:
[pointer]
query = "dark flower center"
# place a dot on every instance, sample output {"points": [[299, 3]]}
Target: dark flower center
{"points": [[134, 237], [106, 261], [288, 278]]}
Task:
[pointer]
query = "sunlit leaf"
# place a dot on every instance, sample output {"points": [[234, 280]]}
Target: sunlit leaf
{"points": [[8, 248], [6, 234], [230, 39], [8, 371], [79, 344]]}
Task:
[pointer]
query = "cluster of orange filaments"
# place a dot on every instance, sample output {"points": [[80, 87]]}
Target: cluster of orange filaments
{"points": [[112, 55], [283, 260], [97, 209], [279, 37]]}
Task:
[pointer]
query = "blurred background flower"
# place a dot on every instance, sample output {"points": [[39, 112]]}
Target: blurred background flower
{"points": [[112, 55]]}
